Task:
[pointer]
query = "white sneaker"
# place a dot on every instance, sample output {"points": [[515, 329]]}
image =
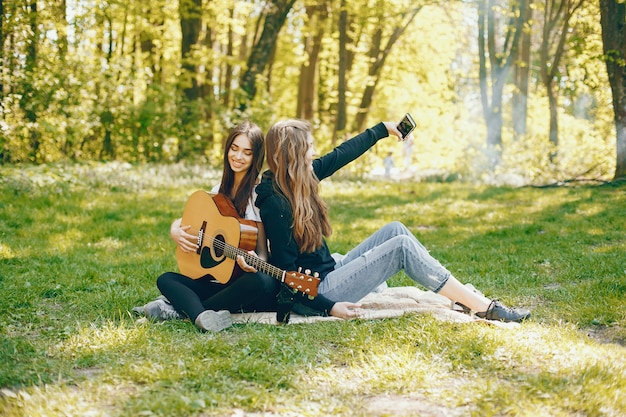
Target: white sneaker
{"points": [[214, 321], [161, 310]]}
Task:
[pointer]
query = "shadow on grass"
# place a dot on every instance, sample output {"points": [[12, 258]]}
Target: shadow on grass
{"points": [[65, 324]]}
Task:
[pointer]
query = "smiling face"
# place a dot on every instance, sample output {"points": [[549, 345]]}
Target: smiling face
{"points": [[240, 155]]}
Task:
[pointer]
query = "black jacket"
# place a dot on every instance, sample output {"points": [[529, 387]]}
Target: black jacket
{"points": [[277, 216]]}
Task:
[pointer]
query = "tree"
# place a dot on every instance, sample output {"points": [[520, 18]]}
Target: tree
{"points": [[307, 85], [28, 100], [190, 24], [500, 62], [378, 54], [521, 73], [368, 30], [556, 30], [341, 120], [262, 50], [613, 21], [1, 51]]}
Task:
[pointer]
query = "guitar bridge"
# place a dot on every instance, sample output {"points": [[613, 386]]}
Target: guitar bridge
{"points": [[200, 237]]}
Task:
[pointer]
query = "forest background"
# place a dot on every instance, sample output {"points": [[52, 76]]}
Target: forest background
{"points": [[520, 90]]}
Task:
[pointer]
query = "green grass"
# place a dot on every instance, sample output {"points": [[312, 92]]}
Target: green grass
{"points": [[80, 245]]}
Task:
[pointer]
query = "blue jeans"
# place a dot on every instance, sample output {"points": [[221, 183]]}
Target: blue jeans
{"points": [[386, 252]]}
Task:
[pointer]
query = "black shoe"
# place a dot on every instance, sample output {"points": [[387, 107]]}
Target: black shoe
{"points": [[462, 308], [498, 311]]}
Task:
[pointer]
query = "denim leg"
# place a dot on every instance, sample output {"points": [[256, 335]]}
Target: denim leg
{"points": [[389, 250]]}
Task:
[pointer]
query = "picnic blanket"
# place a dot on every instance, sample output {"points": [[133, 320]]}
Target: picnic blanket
{"points": [[390, 302], [386, 302]]}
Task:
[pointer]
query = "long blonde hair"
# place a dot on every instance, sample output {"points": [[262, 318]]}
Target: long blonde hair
{"points": [[286, 148]]}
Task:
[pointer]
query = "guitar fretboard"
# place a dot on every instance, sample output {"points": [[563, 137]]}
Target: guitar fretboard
{"points": [[232, 252]]}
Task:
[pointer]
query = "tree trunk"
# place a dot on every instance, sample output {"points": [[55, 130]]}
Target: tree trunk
{"points": [[107, 118], [1, 54], [307, 84], [228, 71], [500, 63], [522, 74], [28, 101], [262, 50], [554, 116], [190, 24], [378, 58], [612, 19], [556, 25], [342, 80]]}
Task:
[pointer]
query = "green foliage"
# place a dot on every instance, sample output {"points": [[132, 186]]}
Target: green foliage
{"points": [[80, 245], [109, 83]]}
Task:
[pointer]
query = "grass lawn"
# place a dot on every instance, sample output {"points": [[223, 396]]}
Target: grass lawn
{"points": [[80, 245]]}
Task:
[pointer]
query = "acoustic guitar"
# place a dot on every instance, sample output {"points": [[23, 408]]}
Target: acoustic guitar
{"points": [[222, 236]]}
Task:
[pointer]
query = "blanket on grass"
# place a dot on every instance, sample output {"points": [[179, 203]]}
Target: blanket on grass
{"points": [[389, 302]]}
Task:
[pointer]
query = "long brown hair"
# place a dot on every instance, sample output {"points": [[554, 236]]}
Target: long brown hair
{"points": [[287, 145], [243, 193]]}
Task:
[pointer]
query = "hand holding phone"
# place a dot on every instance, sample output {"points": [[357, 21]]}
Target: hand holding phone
{"points": [[406, 125]]}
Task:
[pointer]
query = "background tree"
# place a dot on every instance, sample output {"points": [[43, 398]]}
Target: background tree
{"points": [[379, 50], [190, 24], [3, 151], [315, 28], [110, 80], [494, 76], [521, 72], [28, 100], [556, 30], [613, 20], [275, 16], [1, 48], [341, 120]]}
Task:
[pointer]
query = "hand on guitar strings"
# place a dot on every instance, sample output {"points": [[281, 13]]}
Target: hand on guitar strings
{"points": [[242, 262], [346, 310], [187, 242]]}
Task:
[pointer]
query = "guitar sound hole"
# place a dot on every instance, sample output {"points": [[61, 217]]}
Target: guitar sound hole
{"points": [[218, 246]]}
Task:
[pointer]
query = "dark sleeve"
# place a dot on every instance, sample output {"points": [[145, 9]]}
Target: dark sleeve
{"points": [[284, 252], [319, 303], [348, 151], [277, 221]]}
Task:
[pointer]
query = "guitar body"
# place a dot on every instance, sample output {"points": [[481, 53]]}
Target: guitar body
{"points": [[215, 220], [222, 236]]}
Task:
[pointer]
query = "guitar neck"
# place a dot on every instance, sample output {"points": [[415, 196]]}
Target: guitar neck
{"points": [[254, 261], [297, 281]]}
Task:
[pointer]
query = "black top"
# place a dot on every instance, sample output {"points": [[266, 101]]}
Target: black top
{"points": [[277, 215]]}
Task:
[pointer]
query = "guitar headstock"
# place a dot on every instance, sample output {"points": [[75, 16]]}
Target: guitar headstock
{"points": [[302, 282]]}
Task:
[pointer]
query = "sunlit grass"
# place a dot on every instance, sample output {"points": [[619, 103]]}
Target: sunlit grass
{"points": [[81, 245]]}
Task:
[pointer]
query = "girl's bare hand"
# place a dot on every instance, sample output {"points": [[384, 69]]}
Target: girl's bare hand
{"points": [[346, 310], [186, 242], [392, 129], [241, 261]]}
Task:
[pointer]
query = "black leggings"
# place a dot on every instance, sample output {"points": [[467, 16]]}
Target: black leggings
{"points": [[249, 292]]}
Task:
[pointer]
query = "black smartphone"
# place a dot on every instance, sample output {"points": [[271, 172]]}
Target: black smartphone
{"points": [[406, 125]]}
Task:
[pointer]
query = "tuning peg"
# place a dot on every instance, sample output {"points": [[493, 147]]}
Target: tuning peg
{"points": [[316, 274], [307, 271]]}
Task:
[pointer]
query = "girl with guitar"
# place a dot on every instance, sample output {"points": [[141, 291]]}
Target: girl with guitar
{"points": [[207, 301], [296, 221]]}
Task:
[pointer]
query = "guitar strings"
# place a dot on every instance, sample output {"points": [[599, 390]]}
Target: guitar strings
{"points": [[232, 252], [254, 261]]}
